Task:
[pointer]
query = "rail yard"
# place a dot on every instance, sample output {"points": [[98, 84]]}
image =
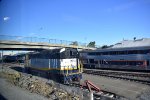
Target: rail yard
{"points": [[14, 73], [110, 87], [121, 72], [74, 49]]}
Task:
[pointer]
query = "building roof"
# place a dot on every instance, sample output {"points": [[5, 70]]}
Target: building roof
{"points": [[144, 42], [138, 44]]}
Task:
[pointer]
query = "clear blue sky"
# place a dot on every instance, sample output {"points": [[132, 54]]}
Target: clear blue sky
{"points": [[103, 21]]}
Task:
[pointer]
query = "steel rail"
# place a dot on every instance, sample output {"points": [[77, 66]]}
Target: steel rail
{"points": [[135, 77]]}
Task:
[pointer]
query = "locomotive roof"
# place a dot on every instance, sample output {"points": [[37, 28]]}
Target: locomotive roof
{"points": [[54, 54], [58, 50]]}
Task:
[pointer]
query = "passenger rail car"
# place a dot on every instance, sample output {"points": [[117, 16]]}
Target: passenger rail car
{"points": [[133, 58], [61, 65]]}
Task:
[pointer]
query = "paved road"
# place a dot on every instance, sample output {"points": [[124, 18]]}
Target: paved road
{"points": [[11, 92], [121, 87]]}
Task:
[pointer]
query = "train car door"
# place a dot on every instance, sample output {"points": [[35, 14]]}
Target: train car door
{"points": [[147, 62], [148, 66]]}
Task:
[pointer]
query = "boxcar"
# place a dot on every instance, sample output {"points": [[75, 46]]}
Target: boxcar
{"points": [[61, 65]]}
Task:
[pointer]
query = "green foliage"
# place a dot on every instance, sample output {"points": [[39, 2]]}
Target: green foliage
{"points": [[104, 46], [91, 44]]}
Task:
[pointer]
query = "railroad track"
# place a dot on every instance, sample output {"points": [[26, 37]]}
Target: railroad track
{"points": [[139, 77]]}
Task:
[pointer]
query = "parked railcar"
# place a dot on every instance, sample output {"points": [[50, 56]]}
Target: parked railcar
{"points": [[61, 65], [129, 55], [14, 58], [20, 58], [9, 58]]}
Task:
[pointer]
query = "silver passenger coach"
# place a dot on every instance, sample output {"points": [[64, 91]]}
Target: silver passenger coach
{"points": [[128, 54]]}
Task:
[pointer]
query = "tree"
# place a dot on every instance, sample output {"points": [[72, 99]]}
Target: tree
{"points": [[134, 38], [74, 43], [104, 46], [91, 44]]}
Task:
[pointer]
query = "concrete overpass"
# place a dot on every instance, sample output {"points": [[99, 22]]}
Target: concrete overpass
{"points": [[33, 43]]}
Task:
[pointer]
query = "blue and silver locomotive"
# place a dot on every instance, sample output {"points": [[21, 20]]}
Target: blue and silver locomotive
{"points": [[61, 65]]}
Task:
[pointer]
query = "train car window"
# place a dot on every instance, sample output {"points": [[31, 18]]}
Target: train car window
{"points": [[117, 63], [98, 53], [109, 62], [96, 62], [71, 54], [105, 62], [124, 52], [91, 60], [146, 51], [115, 52], [111, 52], [133, 52], [127, 63], [139, 63], [86, 65], [133, 63], [130, 52], [85, 61], [58, 55], [138, 51], [100, 62], [120, 63], [89, 53], [92, 53], [124, 62], [113, 63], [121, 52], [105, 53], [147, 63], [92, 66], [141, 52], [62, 55]]}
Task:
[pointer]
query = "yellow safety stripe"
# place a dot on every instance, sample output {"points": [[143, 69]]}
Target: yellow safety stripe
{"points": [[53, 68]]}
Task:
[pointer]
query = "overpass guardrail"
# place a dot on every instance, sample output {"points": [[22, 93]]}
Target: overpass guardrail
{"points": [[42, 40]]}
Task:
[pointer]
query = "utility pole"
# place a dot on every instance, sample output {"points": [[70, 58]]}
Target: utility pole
{"points": [[2, 60]]}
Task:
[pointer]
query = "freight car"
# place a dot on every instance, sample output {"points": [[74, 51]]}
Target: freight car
{"points": [[18, 58], [9, 58], [126, 55], [61, 65]]}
